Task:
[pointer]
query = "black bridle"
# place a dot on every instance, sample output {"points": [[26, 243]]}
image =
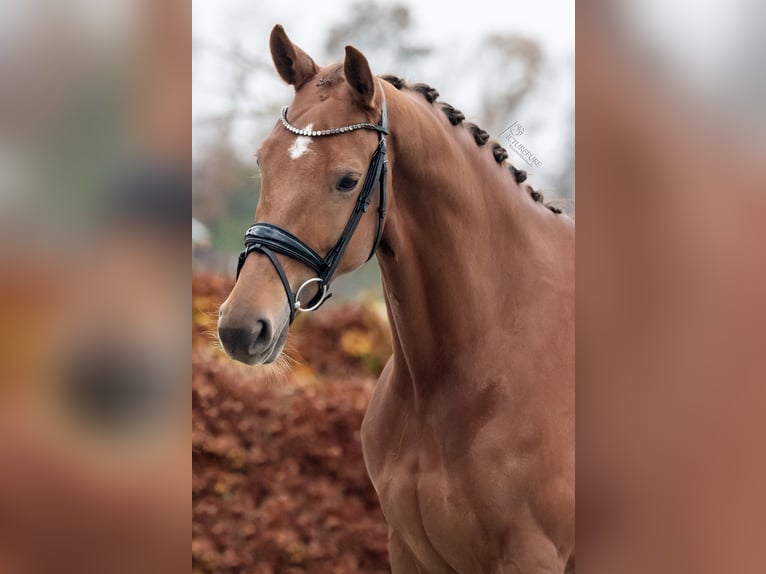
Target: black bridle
{"points": [[268, 238]]}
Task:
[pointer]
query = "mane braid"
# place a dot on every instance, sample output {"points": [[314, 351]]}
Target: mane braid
{"points": [[454, 115], [538, 198], [395, 81], [519, 174], [499, 152], [429, 93], [479, 134]]}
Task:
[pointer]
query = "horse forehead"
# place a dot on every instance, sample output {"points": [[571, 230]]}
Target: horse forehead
{"points": [[326, 103], [308, 112], [300, 145]]}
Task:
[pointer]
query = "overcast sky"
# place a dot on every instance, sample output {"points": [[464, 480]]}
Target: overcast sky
{"points": [[550, 22], [452, 31], [437, 22]]}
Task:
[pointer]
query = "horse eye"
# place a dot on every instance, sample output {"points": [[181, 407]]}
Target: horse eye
{"points": [[346, 183]]}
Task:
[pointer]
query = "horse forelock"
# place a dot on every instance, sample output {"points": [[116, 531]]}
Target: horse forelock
{"points": [[330, 76]]}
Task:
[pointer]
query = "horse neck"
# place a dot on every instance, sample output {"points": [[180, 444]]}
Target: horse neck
{"points": [[461, 248]]}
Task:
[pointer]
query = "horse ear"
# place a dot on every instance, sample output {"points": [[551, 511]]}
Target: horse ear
{"points": [[359, 77], [293, 64]]}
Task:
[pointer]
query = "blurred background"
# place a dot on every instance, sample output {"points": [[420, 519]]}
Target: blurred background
{"points": [[94, 286], [671, 181]]}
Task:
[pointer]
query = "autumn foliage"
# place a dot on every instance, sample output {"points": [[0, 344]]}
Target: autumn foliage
{"points": [[279, 483]]}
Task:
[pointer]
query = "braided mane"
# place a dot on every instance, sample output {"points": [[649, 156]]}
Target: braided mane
{"points": [[480, 136]]}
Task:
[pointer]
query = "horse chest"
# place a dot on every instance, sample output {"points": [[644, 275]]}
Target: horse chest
{"points": [[432, 506], [427, 508]]}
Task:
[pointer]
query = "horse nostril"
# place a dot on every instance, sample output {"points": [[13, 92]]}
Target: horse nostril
{"points": [[234, 339], [246, 342], [261, 336]]}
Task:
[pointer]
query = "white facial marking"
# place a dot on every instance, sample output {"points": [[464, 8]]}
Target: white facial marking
{"points": [[301, 144]]}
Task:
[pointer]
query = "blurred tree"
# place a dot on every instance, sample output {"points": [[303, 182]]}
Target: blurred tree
{"points": [[226, 186], [225, 193], [379, 30], [514, 64]]}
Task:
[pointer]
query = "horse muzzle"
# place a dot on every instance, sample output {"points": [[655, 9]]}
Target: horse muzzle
{"points": [[251, 342]]}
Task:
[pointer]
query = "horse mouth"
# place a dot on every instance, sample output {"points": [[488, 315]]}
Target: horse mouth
{"points": [[276, 348]]}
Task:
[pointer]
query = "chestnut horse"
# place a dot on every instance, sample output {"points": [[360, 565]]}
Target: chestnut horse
{"points": [[469, 436]]}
